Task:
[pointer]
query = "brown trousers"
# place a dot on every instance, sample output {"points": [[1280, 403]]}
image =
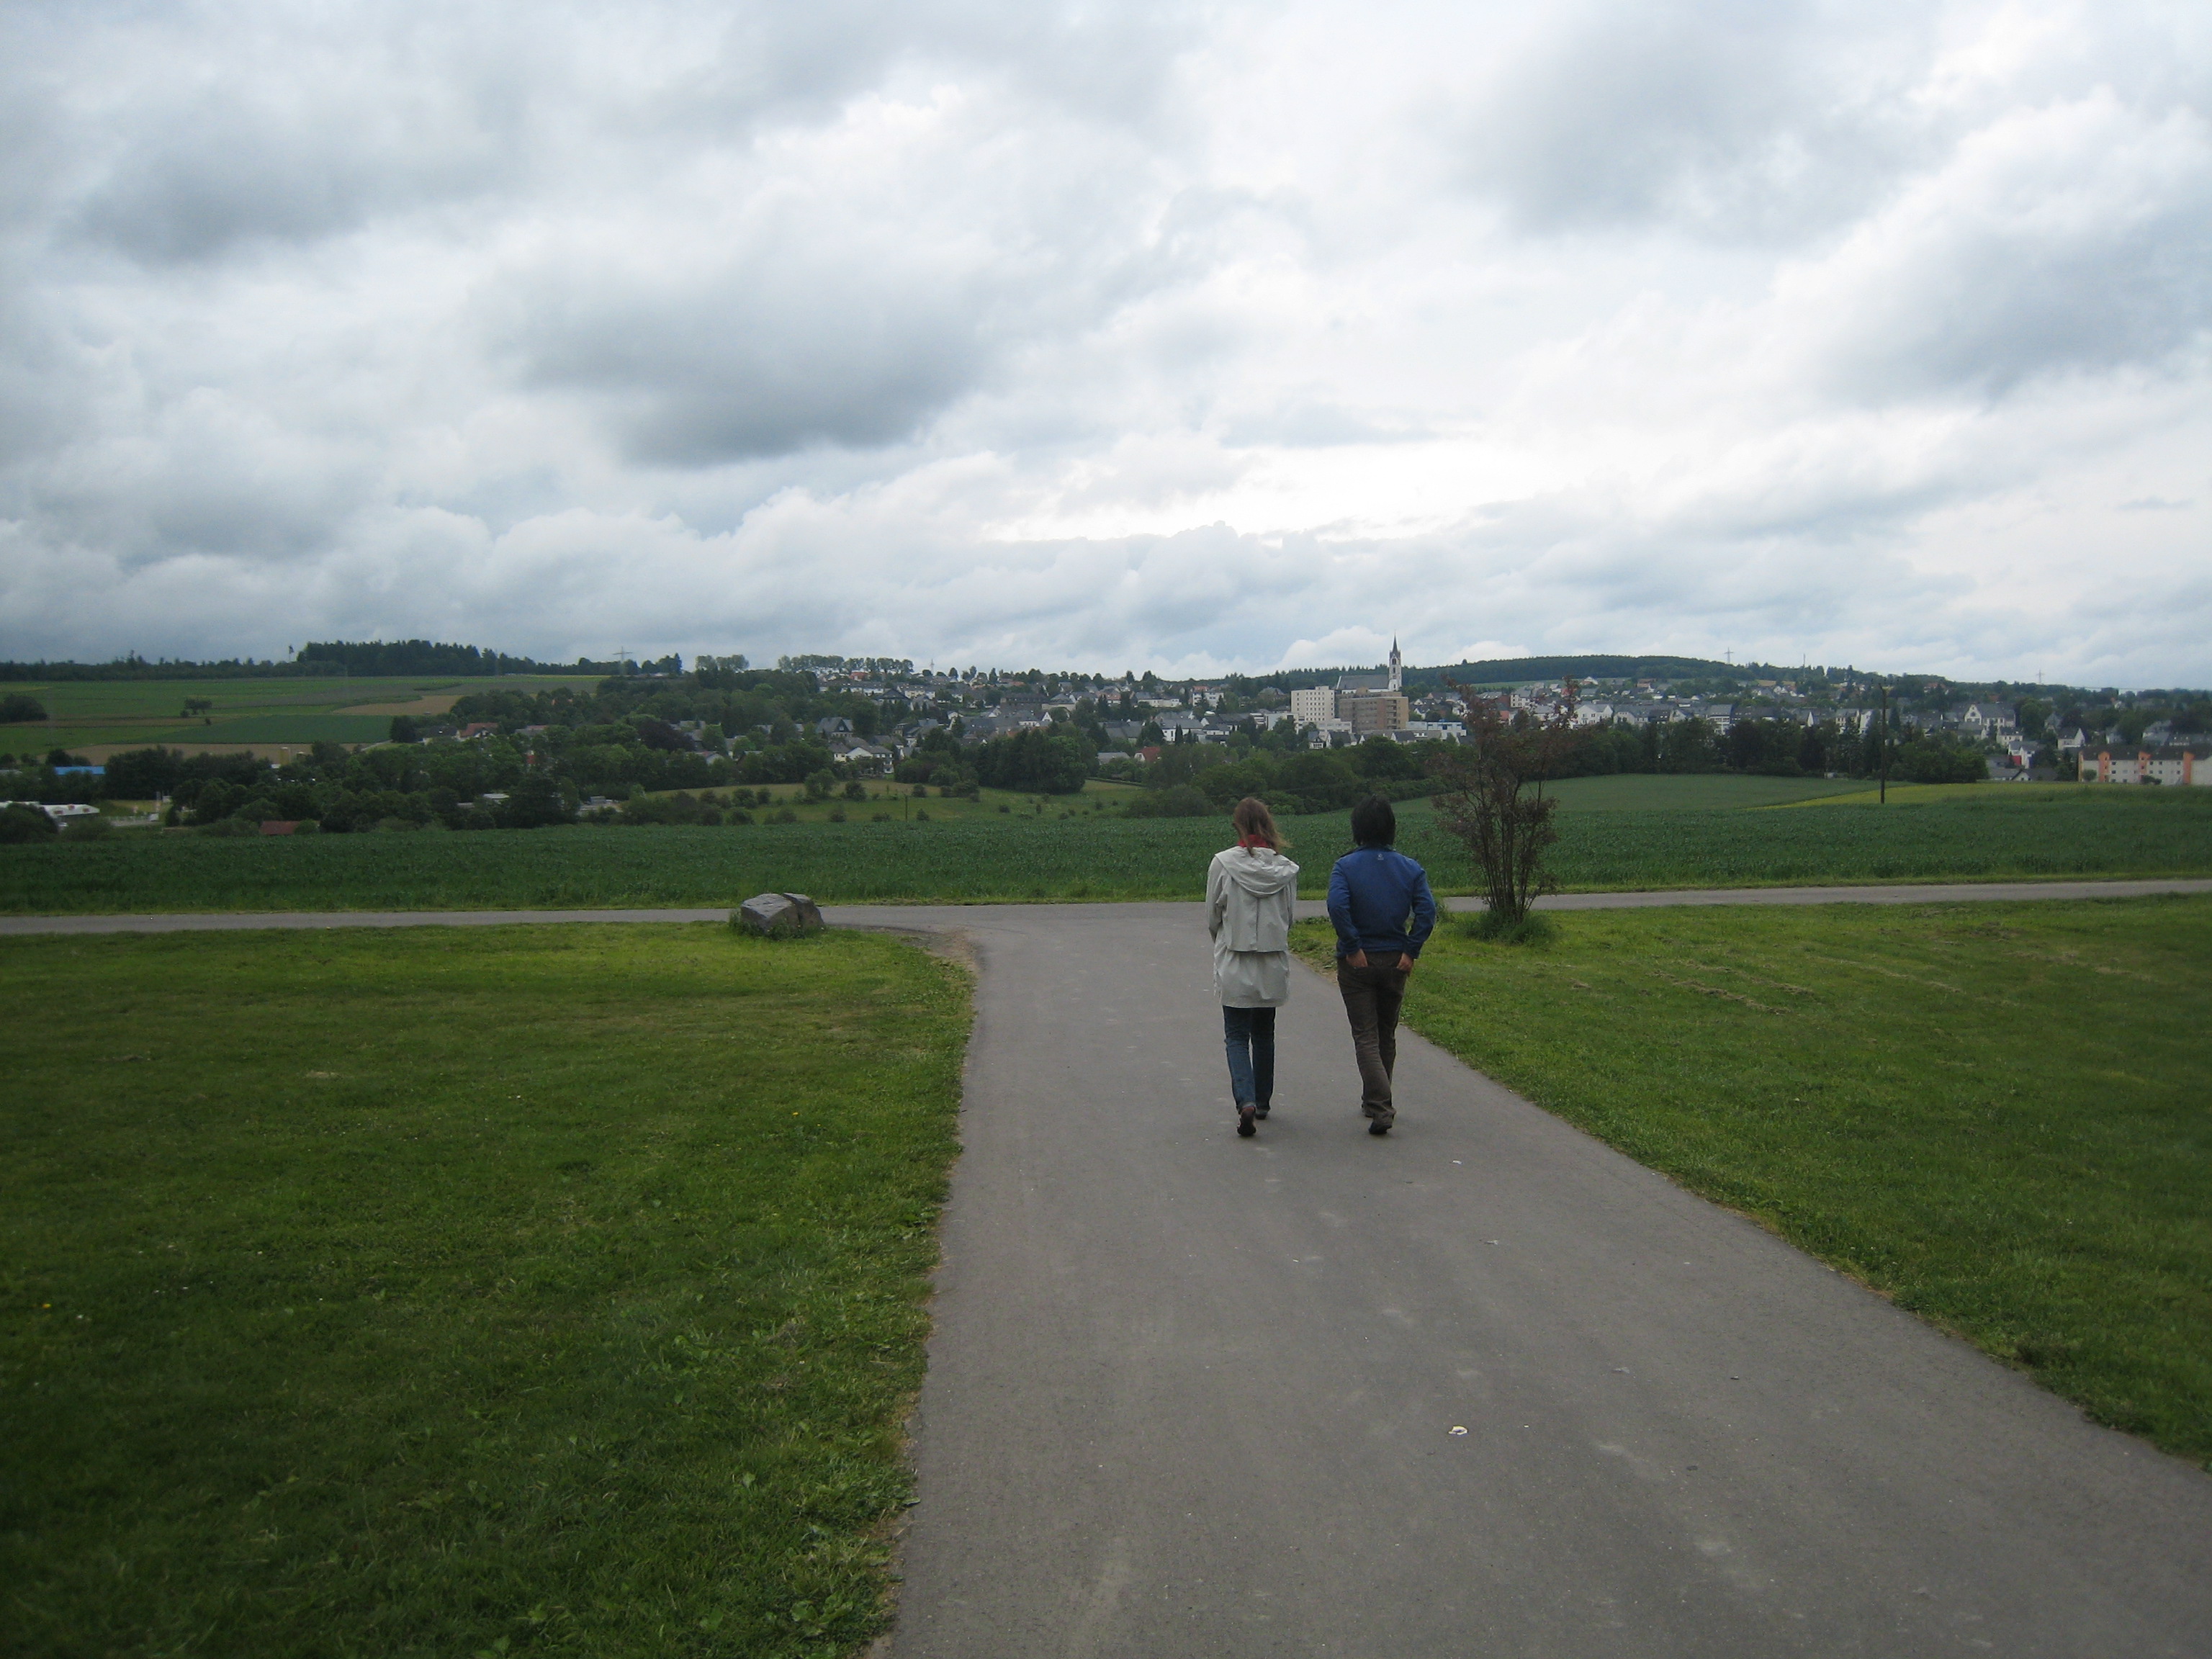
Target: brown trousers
{"points": [[1372, 995]]}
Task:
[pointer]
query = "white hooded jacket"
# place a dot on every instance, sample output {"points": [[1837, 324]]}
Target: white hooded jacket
{"points": [[1249, 893]]}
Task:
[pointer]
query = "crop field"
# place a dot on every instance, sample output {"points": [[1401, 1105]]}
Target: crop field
{"points": [[99, 716], [986, 856], [356, 1304], [1647, 792], [904, 803], [1990, 1113]]}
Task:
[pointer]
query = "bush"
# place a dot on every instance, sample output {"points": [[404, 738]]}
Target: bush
{"points": [[230, 827], [1918, 761], [21, 706], [856, 790], [87, 830], [24, 824], [1183, 801], [1035, 762]]}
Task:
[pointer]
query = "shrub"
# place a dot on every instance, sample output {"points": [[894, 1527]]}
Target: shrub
{"points": [[21, 706], [1183, 801], [24, 824]]}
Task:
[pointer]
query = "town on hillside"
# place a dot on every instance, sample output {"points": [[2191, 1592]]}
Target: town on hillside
{"points": [[712, 740]]}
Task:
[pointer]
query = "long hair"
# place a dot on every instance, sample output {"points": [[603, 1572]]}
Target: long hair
{"points": [[1254, 822]]}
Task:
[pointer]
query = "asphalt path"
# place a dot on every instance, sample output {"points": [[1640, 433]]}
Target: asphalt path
{"points": [[1189, 1394], [862, 915]]}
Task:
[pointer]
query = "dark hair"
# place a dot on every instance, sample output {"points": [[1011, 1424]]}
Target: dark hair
{"points": [[1373, 822]]}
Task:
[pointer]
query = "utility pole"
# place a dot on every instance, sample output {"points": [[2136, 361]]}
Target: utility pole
{"points": [[1883, 797]]}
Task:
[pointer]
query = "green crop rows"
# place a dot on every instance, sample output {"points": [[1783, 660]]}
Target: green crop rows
{"points": [[2145, 832]]}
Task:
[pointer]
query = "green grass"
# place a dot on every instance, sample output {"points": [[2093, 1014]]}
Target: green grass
{"points": [[298, 728], [985, 856], [137, 713], [1995, 1115], [549, 1290], [897, 802], [1648, 791]]}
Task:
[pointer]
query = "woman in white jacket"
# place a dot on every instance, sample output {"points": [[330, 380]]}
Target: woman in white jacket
{"points": [[1249, 889]]}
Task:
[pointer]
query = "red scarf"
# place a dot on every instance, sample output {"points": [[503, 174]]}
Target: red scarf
{"points": [[1251, 842]]}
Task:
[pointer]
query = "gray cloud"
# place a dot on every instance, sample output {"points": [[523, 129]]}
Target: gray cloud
{"points": [[1155, 334], [1741, 120]]}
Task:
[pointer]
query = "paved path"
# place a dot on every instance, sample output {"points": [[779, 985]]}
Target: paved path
{"points": [[862, 914], [1189, 1394]]}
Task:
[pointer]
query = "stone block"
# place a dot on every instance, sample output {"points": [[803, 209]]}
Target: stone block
{"points": [[778, 913]]}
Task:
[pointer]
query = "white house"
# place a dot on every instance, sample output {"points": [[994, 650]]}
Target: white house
{"points": [[1989, 722]]}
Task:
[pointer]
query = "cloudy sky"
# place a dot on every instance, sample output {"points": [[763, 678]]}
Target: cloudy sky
{"points": [[1121, 333]]}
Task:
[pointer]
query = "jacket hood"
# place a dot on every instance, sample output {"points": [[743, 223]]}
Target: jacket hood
{"points": [[1260, 872]]}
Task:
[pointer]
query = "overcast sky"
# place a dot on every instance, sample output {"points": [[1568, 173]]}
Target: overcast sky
{"points": [[1128, 333]]}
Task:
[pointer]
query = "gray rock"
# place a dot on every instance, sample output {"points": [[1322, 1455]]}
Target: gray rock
{"points": [[778, 913]]}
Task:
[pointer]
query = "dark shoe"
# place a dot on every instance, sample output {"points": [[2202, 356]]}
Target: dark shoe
{"points": [[1245, 1126], [1381, 1126], [1260, 1112]]}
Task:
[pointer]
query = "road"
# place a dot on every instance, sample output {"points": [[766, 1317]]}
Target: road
{"points": [[864, 914], [1189, 1394]]}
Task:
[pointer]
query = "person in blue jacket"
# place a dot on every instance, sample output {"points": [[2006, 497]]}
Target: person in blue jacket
{"points": [[1383, 911]]}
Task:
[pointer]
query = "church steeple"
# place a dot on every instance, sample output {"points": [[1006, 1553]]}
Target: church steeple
{"points": [[1397, 668]]}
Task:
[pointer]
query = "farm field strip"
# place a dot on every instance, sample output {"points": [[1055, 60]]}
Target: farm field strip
{"points": [[138, 714], [1011, 858]]}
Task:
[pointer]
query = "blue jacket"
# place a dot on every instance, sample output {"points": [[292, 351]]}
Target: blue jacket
{"points": [[1370, 894]]}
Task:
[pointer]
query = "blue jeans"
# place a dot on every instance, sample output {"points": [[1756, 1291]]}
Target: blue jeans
{"points": [[1249, 1036]]}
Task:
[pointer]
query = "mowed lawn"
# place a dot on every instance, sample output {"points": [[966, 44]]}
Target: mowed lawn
{"points": [[534, 1290], [1995, 1115]]}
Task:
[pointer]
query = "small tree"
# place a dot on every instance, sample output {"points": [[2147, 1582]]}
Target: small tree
{"points": [[1494, 797]]}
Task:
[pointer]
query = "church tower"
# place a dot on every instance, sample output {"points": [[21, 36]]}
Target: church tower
{"points": [[1397, 667]]}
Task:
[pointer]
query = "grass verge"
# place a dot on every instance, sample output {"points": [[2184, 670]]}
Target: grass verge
{"points": [[1993, 1114], [545, 1291]]}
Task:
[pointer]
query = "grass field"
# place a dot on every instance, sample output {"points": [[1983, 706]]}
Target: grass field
{"points": [[1990, 1114], [547, 1290], [1648, 792], [981, 855], [898, 803], [107, 715]]}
